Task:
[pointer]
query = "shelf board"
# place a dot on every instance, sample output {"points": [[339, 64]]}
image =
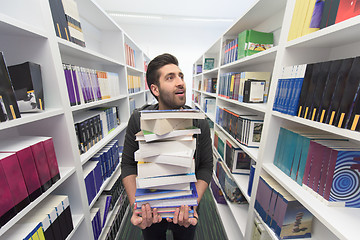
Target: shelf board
{"points": [[77, 220], [211, 71], [242, 181], [339, 34], [353, 135], [231, 228], [267, 228], [197, 90], [94, 149], [134, 69], [252, 152], [65, 173], [209, 94], [96, 103], [258, 58], [136, 93], [259, 107], [103, 186], [31, 117], [341, 221], [73, 50], [13, 27]]}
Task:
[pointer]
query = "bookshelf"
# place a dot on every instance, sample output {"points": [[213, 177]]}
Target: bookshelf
{"points": [[27, 34], [334, 42]]}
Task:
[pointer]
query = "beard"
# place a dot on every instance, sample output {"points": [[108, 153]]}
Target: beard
{"points": [[171, 100]]}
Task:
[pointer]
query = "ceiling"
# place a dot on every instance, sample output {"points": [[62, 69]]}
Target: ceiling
{"points": [[198, 13]]}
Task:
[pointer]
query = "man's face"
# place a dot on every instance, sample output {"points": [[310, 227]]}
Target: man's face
{"points": [[171, 92]]}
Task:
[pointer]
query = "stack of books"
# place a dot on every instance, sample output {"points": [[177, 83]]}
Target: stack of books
{"points": [[166, 169]]}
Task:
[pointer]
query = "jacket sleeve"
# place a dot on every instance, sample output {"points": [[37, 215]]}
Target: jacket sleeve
{"points": [[128, 164], [205, 160]]}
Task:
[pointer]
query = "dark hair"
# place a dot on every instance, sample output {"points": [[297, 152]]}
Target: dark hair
{"points": [[152, 73]]}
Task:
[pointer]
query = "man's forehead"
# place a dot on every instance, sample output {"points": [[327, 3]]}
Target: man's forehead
{"points": [[170, 68]]}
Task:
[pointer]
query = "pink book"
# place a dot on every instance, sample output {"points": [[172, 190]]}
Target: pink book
{"points": [[51, 158], [324, 169], [309, 162], [42, 165], [15, 180], [7, 210], [27, 165], [315, 171]]}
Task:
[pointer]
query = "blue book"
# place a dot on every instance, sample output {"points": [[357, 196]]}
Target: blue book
{"points": [[98, 177], [107, 208], [251, 179]]}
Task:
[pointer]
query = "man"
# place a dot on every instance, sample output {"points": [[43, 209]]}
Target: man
{"points": [[166, 83]]}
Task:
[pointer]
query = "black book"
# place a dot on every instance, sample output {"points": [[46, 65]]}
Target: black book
{"points": [[254, 91], [27, 82], [321, 82], [339, 89], [7, 91], [353, 119], [325, 14], [310, 92], [59, 19], [304, 88], [349, 95], [328, 90], [3, 115], [213, 85], [333, 12]]}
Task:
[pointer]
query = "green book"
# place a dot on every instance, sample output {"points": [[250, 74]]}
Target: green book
{"points": [[258, 41], [242, 43]]}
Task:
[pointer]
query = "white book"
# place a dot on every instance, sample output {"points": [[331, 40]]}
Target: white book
{"points": [[183, 159], [165, 147], [172, 114], [146, 170], [149, 136], [180, 186], [164, 126], [163, 181]]}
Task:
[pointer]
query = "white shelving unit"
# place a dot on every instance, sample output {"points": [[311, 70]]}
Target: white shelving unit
{"points": [[27, 34], [335, 42]]}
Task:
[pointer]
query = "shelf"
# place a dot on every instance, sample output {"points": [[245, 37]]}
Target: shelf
{"points": [[209, 94], [10, 26], [231, 228], [31, 117], [65, 173], [252, 152], [353, 135], [258, 58], [343, 222], [77, 220], [340, 34], [96, 103], [94, 149], [211, 71], [122, 222], [197, 90], [242, 180], [103, 186], [259, 107], [136, 93], [134, 70], [267, 228], [73, 50]]}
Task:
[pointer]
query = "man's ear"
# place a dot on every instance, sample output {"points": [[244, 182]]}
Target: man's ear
{"points": [[155, 90]]}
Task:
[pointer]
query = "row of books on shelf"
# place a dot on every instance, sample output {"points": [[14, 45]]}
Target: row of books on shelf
{"points": [[247, 43], [210, 85], [50, 219], [321, 163], [115, 224], [134, 83], [28, 167], [93, 125], [285, 215], [21, 89], [166, 168], [100, 167], [101, 209], [66, 21], [132, 104], [228, 185], [86, 85], [249, 87], [243, 126], [310, 16], [130, 56], [326, 92]]}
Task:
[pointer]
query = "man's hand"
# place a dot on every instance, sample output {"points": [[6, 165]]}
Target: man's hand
{"points": [[147, 217], [181, 217]]}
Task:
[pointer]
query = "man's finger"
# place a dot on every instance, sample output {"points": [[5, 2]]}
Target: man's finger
{"points": [[181, 214], [176, 216]]}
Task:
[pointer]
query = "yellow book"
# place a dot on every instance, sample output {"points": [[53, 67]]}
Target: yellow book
{"points": [[292, 31], [301, 19]]}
